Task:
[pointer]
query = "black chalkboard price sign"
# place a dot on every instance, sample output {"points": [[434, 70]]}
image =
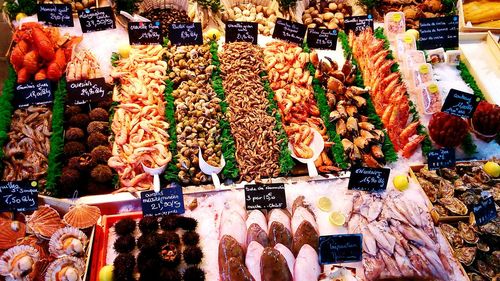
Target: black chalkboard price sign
{"points": [[265, 196], [34, 93], [167, 201], [438, 32], [357, 23], [97, 19], [460, 104], [441, 158], [84, 91], [18, 196], [485, 211], [321, 38], [185, 33], [289, 31], [59, 15], [340, 248], [368, 179], [145, 33], [240, 31]]}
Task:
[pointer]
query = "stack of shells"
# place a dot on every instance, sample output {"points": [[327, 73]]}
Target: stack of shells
{"points": [[197, 111], [326, 14], [86, 150], [264, 15]]}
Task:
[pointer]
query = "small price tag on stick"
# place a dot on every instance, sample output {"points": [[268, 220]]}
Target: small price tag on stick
{"points": [[320, 38], [18, 196], [97, 19], [289, 31], [441, 158], [265, 196], [485, 211], [34, 93], [340, 248], [357, 24], [460, 104], [239, 31], [145, 33], [185, 33], [167, 201], [368, 179], [84, 91], [58, 15]]}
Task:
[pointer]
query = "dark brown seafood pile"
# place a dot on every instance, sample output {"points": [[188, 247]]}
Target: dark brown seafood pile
{"points": [[166, 17], [86, 150], [197, 111], [28, 147], [257, 147], [455, 192]]}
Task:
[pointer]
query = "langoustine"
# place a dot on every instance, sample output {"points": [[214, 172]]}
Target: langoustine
{"points": [[292, 83], [257, 145], [388, 93], [197, 111], [26, 152], [139, 124]]}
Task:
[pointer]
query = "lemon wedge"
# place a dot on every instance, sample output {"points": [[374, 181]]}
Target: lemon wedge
{"points": [[212, 34], [20, 16], [337, 218], [324, 204], [400, 182], [414, 33], [492, 169]]}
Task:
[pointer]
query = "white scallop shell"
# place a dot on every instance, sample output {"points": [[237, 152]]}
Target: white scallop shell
{"points": [[11, 271], [77, 268], [77, 248]]}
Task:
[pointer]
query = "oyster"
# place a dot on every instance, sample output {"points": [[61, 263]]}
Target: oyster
{"points": [[466, 255], [429, 175], [446, 189], [452, 235], [454, 205], [18, 261], [82, 216], [467, 233], [441, 210], [430, 190], [65, 268], [68, 241], [44, 222], [476, 277], [460, 185], [448, 174], [481, 246], [492, 227], [485, 268], [469, 197]]}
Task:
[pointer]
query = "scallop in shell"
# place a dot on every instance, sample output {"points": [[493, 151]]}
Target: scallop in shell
{"points": [[10, 232], [82, 216], [18, 262], [65, 268], [44, 222], [68, 241]]}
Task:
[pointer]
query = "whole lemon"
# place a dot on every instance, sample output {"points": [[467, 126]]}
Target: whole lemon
{"points": [[106, 273], [492, 169], [414, 33], [400, 182]]}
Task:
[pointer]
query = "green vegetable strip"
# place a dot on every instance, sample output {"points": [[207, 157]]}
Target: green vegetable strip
{"points": [[6, 109], [285, 159], [387, 147], [112, 109], [172, 171], [228, 147], [56, 140], [379, 34]]}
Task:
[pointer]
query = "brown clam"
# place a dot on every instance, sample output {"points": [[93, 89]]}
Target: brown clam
{"points": [[454, 205], [466, 255]]}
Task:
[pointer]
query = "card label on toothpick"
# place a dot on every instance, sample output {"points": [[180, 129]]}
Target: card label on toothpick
{"points": [[368, 179], [357, 24], [185, 33], [485, 211], [289, 31], [441, 158], [460, 104], [85, 91], [18, 196], [34, 93], [145, 33], [240, 31], [340, 248], [438, 32], [265, 196], [96, 19], [58, 15], [167, 201], [320, 38]]}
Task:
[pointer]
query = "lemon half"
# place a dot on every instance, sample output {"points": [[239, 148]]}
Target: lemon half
{"points": [[324, 204], [337, 218]]}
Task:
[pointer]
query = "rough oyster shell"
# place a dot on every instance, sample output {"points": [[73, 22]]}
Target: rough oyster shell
{"points": [[10, 232], [452, 235], [82, 216], [44, 222], [17, 262], [466, 255], [71, 268], [467, 233], [454, 205], [68, 241], [446, 189]]}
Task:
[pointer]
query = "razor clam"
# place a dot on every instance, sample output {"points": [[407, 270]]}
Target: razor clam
{"points": [[454, 205]]}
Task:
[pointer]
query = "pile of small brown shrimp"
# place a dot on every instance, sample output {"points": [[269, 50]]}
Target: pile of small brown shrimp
{"points": [[292, 83], [28, 147], [139, 122], [257, 146]]}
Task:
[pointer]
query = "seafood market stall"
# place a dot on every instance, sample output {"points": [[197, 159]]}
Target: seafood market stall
{"points": [[250, 140]]}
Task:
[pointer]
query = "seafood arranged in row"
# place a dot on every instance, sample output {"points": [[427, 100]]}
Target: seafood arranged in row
{"points": [[41, 247], [26, 152], [261, 12], [256, 141], [197, 111], [361, 141], [292, 83], [139, 127], [165, 247], [40, 52], [454, 192], [83, 65], [86, 150], [272, 246], [387, 91], [399, 238]]}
